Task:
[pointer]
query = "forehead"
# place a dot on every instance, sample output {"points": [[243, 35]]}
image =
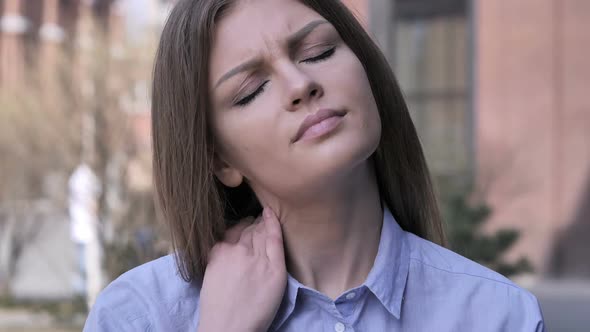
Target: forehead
{"points": [[254, 26]]}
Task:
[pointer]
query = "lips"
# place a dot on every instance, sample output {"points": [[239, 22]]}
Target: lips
{"points": [[314, 119]]}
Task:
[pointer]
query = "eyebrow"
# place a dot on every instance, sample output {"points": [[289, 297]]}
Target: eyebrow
{"points": [[292, 42]]}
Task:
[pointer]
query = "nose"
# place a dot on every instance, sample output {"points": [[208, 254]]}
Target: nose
{"points": [[301, 88]]}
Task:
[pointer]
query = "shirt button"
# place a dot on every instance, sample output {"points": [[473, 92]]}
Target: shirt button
{"points": [[350, 296], [339, 327]]}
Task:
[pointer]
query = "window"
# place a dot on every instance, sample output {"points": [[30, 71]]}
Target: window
{"points": [[431, 56]]}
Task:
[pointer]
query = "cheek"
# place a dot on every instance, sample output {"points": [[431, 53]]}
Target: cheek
{"points": [[349, 77], [362, 86], [247, 142], [360, 96]]}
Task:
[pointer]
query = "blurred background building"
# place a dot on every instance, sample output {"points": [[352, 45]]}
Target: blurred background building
{"points": [[73, 89], [497, 90]]}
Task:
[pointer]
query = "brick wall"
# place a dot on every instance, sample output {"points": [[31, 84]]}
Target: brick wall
{"points": [[533, 118]]}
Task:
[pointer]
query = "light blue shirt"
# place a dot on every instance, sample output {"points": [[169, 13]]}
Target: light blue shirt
{"points": [[414, 285]]}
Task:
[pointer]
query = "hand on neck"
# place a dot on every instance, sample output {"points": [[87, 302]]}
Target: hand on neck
{"points": [[331, 241]]}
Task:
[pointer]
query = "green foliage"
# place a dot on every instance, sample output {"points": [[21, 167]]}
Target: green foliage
{"points": [[464, 222], [138, 237], [65, 312]]}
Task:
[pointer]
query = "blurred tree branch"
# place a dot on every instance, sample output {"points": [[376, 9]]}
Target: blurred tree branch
{"points": [[82, 111]]}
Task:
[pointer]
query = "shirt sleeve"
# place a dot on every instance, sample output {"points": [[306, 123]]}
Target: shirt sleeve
{"points": [[539, 317], [117, 309], [526, 313]]}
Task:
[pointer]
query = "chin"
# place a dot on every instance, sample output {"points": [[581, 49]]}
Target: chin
{"points": [[341, 155]]}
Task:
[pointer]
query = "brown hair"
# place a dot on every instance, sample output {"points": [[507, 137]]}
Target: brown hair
{"points": [[197, 207]]}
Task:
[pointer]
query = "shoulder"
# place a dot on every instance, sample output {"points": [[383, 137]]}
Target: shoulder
{"points": [[442, 272], [151, 296], [429, 255]]}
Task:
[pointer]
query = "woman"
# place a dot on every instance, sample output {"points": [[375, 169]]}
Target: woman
{"points": [[289, 105]]}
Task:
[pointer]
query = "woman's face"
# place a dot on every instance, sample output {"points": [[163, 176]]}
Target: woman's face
{"points": [[274, 63]]}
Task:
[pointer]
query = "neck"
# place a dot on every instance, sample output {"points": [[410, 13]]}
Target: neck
{"points": [[331, 242]]}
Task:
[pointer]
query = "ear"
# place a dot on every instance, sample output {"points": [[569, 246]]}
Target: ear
{"points": [[227, 174]]}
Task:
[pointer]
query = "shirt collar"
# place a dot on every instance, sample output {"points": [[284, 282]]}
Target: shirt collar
{"points": [[386, 280]]}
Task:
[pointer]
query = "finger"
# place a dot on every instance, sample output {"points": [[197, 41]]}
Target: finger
{"points": [[246, 238], [274, 239], [232, 235], [259, 238], [273, 226], [213, 252]]}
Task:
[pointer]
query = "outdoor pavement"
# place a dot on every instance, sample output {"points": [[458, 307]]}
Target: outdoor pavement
{"points": [[47, 266], [565, 305]]}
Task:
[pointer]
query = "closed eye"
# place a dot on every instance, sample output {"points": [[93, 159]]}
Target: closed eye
{"points": [[322, 56], [249, 98]]}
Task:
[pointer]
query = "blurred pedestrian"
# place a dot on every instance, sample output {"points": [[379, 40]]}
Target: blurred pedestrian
{"points": [[84, 192]]}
